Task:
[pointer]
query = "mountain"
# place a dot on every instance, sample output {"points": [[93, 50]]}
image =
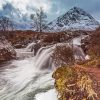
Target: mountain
{"points": [[75, 19]]}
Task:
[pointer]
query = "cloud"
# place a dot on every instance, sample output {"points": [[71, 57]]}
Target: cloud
{"points": [[46, 4], [23, 4], [2, 2], [54, 8]]}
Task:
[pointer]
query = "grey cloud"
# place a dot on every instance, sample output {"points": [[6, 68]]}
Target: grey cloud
{"points": [[62, 6]]}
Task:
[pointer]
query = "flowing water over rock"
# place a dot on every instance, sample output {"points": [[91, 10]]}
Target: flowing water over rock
{"points": [[23, 79], [30, 78]]}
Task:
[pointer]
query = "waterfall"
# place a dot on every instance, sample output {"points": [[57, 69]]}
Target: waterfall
{"points": [[30, 46], [79, 53], [25, 78]]}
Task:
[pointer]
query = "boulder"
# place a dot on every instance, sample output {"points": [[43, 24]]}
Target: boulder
{"points": [[7, 51]]}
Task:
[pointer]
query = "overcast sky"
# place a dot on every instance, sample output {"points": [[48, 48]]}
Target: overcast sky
{"points": [[54, 8]]}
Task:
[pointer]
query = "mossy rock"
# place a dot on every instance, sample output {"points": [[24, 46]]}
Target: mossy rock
{"points": [[73, 84]]}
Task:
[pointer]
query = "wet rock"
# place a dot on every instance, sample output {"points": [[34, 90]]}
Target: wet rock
{"points": [[18, 46], [7, 51], [36, 48]]}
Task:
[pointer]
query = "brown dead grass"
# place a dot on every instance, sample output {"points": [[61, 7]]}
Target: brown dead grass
{"points": [[94, 44]]}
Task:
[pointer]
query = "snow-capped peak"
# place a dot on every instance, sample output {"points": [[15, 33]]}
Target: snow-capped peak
{"points": [[75, 18]]}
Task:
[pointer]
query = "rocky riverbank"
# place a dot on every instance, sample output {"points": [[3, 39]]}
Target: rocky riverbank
{"points": [[7, 51]]}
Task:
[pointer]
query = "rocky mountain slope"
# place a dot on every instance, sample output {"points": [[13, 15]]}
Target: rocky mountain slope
{"points": [[76, 18]]}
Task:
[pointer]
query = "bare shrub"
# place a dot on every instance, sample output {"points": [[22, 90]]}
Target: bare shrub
{"points": [[63, 55]]}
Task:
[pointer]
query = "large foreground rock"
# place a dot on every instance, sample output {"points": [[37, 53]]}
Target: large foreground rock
{"points": [[7, 51], [73, 83]]}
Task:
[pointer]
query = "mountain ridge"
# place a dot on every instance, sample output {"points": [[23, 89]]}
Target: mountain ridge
{"points": [[76, 18]]}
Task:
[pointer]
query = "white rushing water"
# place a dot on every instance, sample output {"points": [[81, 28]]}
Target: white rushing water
{"points": [[23, 79], [30, 78]]}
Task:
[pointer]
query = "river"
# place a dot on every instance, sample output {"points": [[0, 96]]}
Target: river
{"points": [[30, 76]]}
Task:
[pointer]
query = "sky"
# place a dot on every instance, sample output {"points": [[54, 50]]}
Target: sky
{"points": [[54, 8]]}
